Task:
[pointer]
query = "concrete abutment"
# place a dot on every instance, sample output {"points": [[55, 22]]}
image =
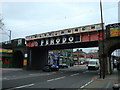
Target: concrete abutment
{"points": [[110, 45]]}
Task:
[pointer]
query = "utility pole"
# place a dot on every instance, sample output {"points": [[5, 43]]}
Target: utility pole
{"points": [[103, 54]]}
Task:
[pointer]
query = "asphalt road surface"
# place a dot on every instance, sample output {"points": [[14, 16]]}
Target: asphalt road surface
{"points": [[69, 78]]}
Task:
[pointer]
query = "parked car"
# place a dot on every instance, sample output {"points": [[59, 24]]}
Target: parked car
{"points": [[82, 62], [50, 67], [63, 66], [93, 64], [87, 60], [115, 64]]}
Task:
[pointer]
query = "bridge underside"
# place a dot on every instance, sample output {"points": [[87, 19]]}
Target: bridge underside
{"points": [[38, 48], [72, 45], [38, 56]]}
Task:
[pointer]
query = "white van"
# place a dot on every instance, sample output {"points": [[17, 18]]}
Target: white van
{"points": [[93, 64]]}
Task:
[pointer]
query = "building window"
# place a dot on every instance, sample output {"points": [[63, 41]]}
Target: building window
{"points": [[83, 28], [69, 31], [76, 30], [92, 27], [49, 34], [62, 32], [66, 31], [33, 36], [44, 35]]}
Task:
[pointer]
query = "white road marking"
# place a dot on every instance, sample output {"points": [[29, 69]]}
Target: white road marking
{"points": [[41, 74], [86, 84], [60, 78], [24, 86], [55, 79], [50, 80], [74, 74], [38, 74]]}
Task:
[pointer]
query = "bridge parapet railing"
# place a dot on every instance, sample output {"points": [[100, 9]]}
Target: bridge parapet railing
{"points": [[76, 30]]}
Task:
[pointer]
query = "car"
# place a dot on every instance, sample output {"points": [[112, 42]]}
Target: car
{"points": [[82, 62], [50, 67], [63, 66], [87, 60], [93, 64]]}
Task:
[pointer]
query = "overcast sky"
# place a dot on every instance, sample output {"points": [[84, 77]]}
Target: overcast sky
{"points": [[28, 18]]}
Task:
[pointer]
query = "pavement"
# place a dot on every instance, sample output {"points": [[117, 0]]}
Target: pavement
{"points": [[110, 82]]}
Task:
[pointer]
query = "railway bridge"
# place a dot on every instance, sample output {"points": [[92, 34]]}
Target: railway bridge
{"points": [[35, 53]]}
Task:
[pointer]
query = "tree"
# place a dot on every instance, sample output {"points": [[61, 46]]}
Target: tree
{"points": [[4, 32], [1, 27], [1, 24]]}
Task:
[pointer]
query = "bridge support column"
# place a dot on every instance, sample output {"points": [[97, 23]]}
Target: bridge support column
{"points": [[104, 61], [37, 58], [104, 67]]}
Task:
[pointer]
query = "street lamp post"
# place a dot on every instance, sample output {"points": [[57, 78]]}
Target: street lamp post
{"points": [[9, 36]]}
